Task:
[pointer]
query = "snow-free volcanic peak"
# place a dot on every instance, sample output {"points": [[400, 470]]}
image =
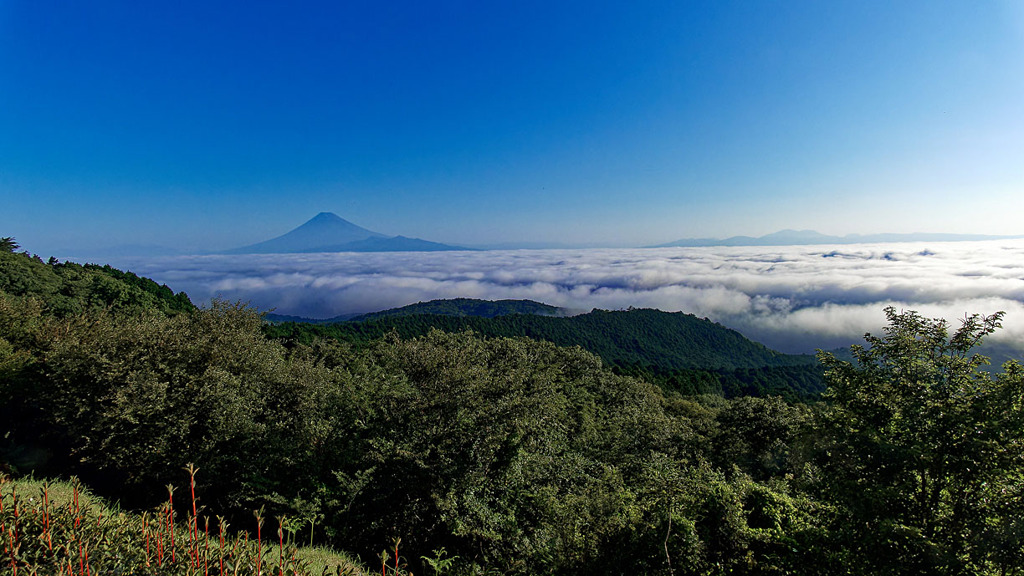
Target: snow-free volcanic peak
{"points": [[328, 232]]}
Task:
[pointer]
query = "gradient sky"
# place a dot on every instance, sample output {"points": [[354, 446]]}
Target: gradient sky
{"points": [[215, 124]]}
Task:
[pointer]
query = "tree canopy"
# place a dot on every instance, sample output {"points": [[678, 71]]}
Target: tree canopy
{"points": [[924, 449]]}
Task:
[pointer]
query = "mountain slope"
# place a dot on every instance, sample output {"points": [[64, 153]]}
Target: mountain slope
{"points": [[464, 307], [670, 340], [66, 288], [328, 232], [324, 229], [393, 244], [678, 352]]}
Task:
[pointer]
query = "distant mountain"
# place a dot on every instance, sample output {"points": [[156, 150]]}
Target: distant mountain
{"points": [[810, 237], [462, 307], [327, 232], [393, 244], [279, 318]]}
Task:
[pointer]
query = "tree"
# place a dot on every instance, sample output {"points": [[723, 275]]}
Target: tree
{"points": [[924, 450], [7, 244]]}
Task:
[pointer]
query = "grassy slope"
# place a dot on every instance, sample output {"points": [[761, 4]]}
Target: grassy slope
{"points": [[41, 520]]}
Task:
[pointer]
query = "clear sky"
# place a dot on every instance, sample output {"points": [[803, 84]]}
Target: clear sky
{"points": [[217, 124]]}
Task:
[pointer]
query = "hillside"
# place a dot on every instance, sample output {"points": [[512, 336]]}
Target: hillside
{"points": [[669, 340], [67, 288], [463, 307], [679, 352], [441, 307]]}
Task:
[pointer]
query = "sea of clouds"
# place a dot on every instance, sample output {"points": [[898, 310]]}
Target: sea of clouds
{"points": [[791, 298]]}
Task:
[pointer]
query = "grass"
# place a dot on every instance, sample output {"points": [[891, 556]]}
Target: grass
{"points": [[59, 528], [321, 559]]}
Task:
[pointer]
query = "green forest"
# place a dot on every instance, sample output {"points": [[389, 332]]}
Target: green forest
{"points": [[678, 352], [495, 446]]}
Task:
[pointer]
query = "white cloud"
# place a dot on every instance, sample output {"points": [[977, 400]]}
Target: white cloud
{"points": [[792, 298]]}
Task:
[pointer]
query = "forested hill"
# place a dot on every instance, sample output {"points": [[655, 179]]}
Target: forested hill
{"points": [[465, 307], [679, 352], [442, 307], [669, 340], [66, 288]]}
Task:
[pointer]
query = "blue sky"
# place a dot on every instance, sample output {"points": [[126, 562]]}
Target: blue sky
{"points": [[216, 124]]}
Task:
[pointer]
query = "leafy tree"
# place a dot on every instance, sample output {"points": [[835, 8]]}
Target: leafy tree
{"points": [[508, 452], [67, 289], [138, 397], [755, 435], [925, 450]]}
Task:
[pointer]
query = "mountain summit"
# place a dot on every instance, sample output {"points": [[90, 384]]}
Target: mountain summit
{"points": [[328, 232]]}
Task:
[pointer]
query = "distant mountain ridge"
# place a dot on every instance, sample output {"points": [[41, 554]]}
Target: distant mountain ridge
{"points": [[462, 307], [811, 237], [328, 232]]}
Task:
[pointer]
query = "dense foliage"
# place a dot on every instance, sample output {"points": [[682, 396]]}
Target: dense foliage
{"points": [[645, 337], [523, 456], [924, 450], [67, 289], [798, 383], [679, 352]]}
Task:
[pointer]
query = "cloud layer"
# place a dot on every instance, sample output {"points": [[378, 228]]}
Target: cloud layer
{"points": [[792, 298]]}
